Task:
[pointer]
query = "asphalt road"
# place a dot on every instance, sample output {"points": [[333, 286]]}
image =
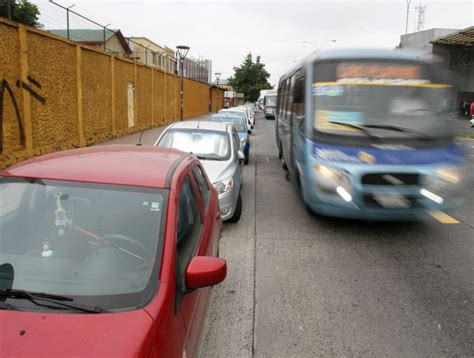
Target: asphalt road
{"points": [[307, 286]]}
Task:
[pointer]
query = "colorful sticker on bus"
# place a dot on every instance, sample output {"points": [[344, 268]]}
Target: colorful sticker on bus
{"points": [[323, 120], [331, 90]]}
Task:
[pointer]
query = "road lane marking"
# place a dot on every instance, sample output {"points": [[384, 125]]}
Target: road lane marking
{"points": [[443, 217]]}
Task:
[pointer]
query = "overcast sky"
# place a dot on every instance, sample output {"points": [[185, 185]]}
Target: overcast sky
{"points": [[226, 31]]}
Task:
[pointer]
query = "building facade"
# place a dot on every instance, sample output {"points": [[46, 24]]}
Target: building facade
{"points": [[456, 47], [198, 69], [150, 53]]}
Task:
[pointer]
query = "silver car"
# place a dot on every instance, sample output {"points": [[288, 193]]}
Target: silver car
{"points": [[237, 110], [217, 145]]}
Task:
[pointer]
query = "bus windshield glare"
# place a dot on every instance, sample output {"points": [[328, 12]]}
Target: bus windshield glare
{"points": [[375, 95], [271, 101]]}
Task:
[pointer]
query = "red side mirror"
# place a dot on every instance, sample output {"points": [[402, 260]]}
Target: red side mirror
{"points": [[205, 271]]}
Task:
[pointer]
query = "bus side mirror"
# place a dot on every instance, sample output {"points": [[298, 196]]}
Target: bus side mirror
{"points": [[298, 91]]}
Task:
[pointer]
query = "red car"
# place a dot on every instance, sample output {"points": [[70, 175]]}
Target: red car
{"points": [[105, 252]]}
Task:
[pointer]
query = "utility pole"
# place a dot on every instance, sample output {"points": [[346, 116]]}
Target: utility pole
{"points": [[9, 9], [182, 53], [408, 12], [218, 77], [67, 20]]}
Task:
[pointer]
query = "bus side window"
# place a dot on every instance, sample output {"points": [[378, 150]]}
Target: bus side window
{"points": [[298, 102], [279, 100], [286, 95], [290, 97]]}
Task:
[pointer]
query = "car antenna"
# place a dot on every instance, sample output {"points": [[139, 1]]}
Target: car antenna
{"points": [[139, 143]]}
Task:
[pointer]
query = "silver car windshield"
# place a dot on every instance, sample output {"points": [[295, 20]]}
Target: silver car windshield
{"points": [[206, 144], [96, 243], [237, 122]]}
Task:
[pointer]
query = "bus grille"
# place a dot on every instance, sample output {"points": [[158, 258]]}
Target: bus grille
{"points": [[391, 179]]}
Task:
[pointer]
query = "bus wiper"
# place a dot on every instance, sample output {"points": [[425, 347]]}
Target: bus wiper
{"points": [[355, 126], [400, 129], [58, 300]]}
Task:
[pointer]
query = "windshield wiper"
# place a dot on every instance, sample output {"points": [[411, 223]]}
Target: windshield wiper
{"points": [[400, 129], [361, 128], [58, 300], [207, 157]]}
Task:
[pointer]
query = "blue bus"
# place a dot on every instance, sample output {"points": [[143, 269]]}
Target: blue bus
{"points": [[365, 134]]}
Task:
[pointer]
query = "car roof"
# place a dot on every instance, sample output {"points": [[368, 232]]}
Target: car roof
{"points": [[232, 109], [225, 115], [144, 166], [204, 125]]}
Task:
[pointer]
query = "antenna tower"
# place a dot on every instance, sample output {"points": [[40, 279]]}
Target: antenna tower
{"points": [[420, 24]]}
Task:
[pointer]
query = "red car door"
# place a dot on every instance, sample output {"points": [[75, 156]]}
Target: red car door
{"points": [[192, 240]]}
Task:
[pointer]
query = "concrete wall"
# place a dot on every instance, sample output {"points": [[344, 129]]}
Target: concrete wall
{"points": [[420, 41], [56, 94]]}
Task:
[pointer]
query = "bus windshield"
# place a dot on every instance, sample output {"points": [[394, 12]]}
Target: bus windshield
{"points": [[271, 101], [381, 97]]}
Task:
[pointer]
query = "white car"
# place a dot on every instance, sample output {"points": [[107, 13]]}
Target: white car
{"points": [[250, 113], [471, 122], [239, 110]]}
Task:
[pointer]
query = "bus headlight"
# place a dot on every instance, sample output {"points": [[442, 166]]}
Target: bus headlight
{"points": [[332, 181], [445, 178], [451, 175]]}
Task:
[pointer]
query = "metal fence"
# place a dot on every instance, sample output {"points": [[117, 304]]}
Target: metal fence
{"points": [[67, 22]]}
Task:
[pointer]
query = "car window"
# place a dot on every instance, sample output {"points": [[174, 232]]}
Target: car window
{"points": [[236, 140], [10, 198], [205, 144], [189, 227], [94, 237], [202, 185], [238, 121]]}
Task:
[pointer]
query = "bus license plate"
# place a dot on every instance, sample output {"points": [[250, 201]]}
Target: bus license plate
{"points": [[392, 200]]}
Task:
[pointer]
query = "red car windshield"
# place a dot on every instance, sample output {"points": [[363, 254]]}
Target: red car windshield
{"points": [[96, 243]]}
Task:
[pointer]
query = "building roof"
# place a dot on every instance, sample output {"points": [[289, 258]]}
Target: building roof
{"points": [[92, 36], [464, 38], [143, 166]]}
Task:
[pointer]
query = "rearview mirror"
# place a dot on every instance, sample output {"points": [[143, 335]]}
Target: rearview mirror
{"points": [[249, 132], [240, 155], [205, 271]]}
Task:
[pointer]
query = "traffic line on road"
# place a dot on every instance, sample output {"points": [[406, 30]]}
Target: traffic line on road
{"points": [[443, 217]]}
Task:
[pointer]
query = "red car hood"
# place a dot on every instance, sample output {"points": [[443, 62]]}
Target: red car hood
{"points": [[32, 334]]}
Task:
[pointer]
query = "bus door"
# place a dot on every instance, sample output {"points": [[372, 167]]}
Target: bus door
{"points": [[287, 124], [298, 137]]}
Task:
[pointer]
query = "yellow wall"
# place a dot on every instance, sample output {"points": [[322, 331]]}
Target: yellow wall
{"points": [[217, 98], [59, 95]]}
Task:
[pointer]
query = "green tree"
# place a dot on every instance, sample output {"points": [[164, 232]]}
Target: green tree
{"points": [[21, 11], [250, 78]]}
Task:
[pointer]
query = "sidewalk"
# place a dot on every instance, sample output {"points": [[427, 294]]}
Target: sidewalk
{"points": [[149, 136]]}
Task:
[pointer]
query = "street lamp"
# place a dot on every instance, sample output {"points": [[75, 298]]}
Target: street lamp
{"points": [[317, 47], [218, 76], [182, 53]]}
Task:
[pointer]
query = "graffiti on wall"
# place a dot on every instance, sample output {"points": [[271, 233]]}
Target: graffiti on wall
{"points": [[5, 89]]}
